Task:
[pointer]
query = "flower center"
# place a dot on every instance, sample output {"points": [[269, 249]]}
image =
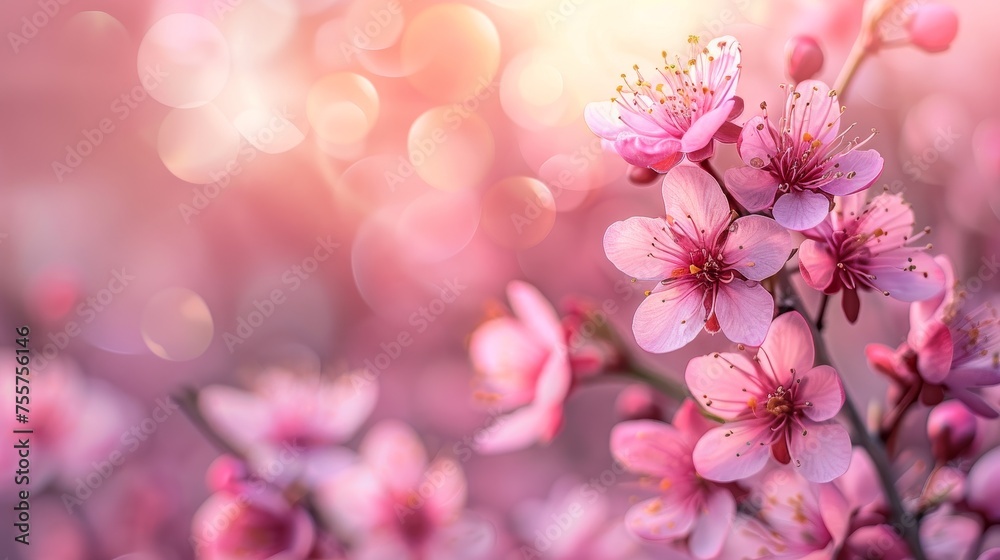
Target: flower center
{"points": [[778, 402]]}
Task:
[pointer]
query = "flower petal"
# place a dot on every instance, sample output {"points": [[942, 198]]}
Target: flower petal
{"points": [[640, 248], [659, 519], [801, 210], [729, 132], [519, 429], [705, 126], [935, 352], [394, 452], [554, 380], [723, 454], [713, 524], [753, 188], [859, 169], [536, 313], [650, 447], [918, 276], [756, 144], [823, 453], [702, 154], [696, 201], [821, 387], [669, 318], [602, 118], [645, 151], [816, 264], [814, 111], [789, 346], [744, 309], [722, 382], [757, 247]]}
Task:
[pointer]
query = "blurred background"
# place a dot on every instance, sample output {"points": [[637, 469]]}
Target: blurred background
{"points": [[194, 190]]}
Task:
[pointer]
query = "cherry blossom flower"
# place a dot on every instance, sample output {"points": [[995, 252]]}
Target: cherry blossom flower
{"points": [[774, 404], [686, 107], [708, 265], [867, 246], [394, 504], [522, 363], [950, 350], [309, 412], [688, 506], [796, 168]]}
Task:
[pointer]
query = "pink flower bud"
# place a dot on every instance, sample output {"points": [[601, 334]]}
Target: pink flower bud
{"points": [[803, 57], [981, 490], [643, 176], [637, 402], [933, 27], [951, 428], [225, 473]]}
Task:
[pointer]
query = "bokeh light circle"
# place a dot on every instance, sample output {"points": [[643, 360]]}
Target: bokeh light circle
{"points": [[183, 61], [197, 145], [451, 148], [177, 324], [452, 52], [438, 225], [534, 93], [342, 108], [518, 212]]}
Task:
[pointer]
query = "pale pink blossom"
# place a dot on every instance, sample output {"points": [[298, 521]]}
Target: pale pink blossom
{"points": [[796, 168], [708, 266], [680, 110], [396, 504], [774, 404], [686, 506], [933, 27], [522, 363], [864, 246]]}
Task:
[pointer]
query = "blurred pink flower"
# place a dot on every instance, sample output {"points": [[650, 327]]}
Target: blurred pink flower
{"points": [[708, 268], [774, 404], [949, 349], [866, 246], [933, 27], [687, 504], [797, 519], [308, 411], [522, 361], [688, 105], [795, 169], [394, 505], [982, 490], [803, 57]]}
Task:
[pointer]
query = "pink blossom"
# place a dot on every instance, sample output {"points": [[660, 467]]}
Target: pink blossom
{"points": [[395, 504], [774, 404], [286, 409], [797, 519], [868, 246], [687, 505], [708, 265], [688, 104], [933, 27], [949, 349], [522, 363], [796, 168], [803, 57]]}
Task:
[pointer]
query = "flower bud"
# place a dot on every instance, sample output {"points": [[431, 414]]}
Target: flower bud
{"points": [[225, 473], [951, 428], [982, 492], [637, 402], [933, 27], [803, 58], [643, 176]]}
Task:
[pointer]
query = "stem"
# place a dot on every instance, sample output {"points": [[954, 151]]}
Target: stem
{"points": [[666, 386], [187, 398], [707, 166], [893, 420], [909, 528], [822, 312]]}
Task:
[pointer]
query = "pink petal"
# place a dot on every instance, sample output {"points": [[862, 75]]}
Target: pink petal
{"points": [[668, 162], [242, 417], [649, 447], [343, 404], [729, 132], [645, 151], [744, 309], [931, 308], [823, 453], [935, 352], [722, 62], [643, 124], [723, 455], [536, 313], [835, 511], [394, 452], [789, 346], [753, 188], [629, 245], [814, 111], [860, 169], [916, 277], [503, 351], [690, 422], [737, 111], [669, 318], [723, 379], [517, 430], [705, 126], [602, 118], [822, 387], [449, 489], [975, 403], [859, 484], [756, 143], [554, 380], [660, 519], [691, 191], [702, 154], [713, 525], [801, 210], [757, 247], [816, 264], [945, 536]]}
